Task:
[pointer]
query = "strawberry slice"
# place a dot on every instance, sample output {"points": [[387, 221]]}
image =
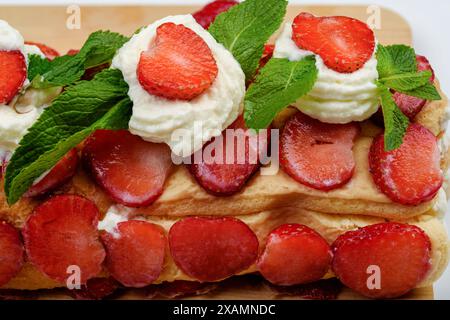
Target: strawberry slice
{"points": [[132, 171], [13, 72], [12, 253], [50, 53], [410, 174], [400, 253], [345, 44], [316, 154], [225, 177], [211, 249], [267, 55], [411, 106], [96, 289], [178, 64], [135, 255], [72, 52], [208, 13], [62, 232], [294, 254], [64, 170]]}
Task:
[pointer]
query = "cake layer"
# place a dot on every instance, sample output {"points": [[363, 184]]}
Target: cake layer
{"points": [[328, 225]]}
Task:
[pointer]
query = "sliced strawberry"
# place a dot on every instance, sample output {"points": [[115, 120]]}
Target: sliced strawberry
{"points": [[267, 55], [132, 171], [225, 177], [4, 159], [62, 232], [410, 174], [178, 64], [64, 170], [294, 254], [135, 255], [96, 289], [11, 252], [316, 154], [411, 106], [13, 72], [345, 44], [50, 53], [400, 251], [208, 13], [210, 249], [72, 52]]}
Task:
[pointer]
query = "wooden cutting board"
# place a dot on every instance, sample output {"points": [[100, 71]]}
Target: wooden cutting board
{"points": [[47, 24]]}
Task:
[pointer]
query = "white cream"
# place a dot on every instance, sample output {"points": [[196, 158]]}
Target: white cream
{"points": [[157, 119], [20, 114], [440, 205], [115, 215], [336, 97]]}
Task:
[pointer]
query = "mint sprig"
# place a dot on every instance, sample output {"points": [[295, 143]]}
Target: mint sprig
{"points": [[246, 27], [280, 83], [102, 103], [397, 70], [98, 49], [395, 122]]}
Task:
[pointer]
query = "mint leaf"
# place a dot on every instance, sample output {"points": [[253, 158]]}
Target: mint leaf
{"points": [[280, 83], [395, 122], [245, 28], [427, 92], [37, 65], [395, 59], [407, 81], [98, 49], [89, 105]]}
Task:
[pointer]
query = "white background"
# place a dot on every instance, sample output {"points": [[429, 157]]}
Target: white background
{"points": [[430, 22]]}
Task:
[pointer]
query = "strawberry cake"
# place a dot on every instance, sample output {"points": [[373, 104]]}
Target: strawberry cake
{"points": [[357, 130]]}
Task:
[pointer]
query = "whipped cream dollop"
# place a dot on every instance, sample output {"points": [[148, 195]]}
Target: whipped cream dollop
{"points": [[336, 97], [184, 125], [20, 114]]}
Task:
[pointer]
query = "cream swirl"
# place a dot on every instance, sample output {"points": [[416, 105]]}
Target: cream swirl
{"points": [[336, 97]]}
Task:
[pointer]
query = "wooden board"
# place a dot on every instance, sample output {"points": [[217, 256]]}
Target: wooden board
{"points": [[48, 25]]}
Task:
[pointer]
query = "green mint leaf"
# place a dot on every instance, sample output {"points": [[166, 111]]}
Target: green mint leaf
{"points": [[428, 92], [37, 65], [395, 122], [280, 83], [98, 49], [395, 59], [407, 81], [245, 28], [102, 103]]}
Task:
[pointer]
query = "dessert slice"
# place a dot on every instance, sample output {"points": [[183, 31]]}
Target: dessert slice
{"points": [[341, 193]]}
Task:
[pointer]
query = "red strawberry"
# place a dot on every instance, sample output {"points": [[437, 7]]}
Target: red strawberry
{"points": [[62, 232], [60, 174], [178, 64], [208, 13], [72, 52], [11, 252], [210, 249], [50, 53], [4, 158], [13, 72], [132, 171], [294, 254], [267, 55], [410, 174], [96, 289], [316, 154], [135, 256], [345, 44], [228, 177], [411, 106], [400, 251]]}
